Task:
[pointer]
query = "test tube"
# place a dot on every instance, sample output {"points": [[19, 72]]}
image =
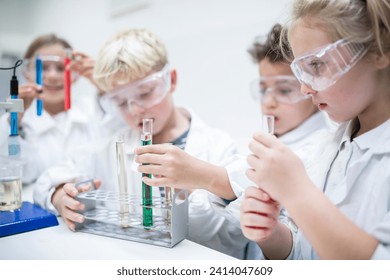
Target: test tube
{"points": [[168, 201], [14, 92], [268, 124], [39, 81], [146, 139], [67, 79], [122, 182]]}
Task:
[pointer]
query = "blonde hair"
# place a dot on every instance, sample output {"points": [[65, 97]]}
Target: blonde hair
{"points": [[362, 21], [128, 56]]}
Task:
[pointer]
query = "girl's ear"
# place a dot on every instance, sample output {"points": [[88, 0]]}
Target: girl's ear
{"points": [[382, 61]]}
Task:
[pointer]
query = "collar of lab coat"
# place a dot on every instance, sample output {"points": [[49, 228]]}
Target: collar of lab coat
{"points": [[45, 122], [323, 155], [195, 145], [377, 139], [373, 142], [313, 123]]}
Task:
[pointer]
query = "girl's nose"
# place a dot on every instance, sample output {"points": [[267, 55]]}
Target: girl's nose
{"points": [[269, 100]]}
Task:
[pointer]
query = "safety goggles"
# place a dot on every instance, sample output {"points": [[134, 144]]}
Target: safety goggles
{"points": [[145, 93], [322, 67], [52, 65], [285, 89]]}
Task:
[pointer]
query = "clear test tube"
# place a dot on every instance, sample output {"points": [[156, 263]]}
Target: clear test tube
{"points": [[268, 124], [168, 192], [122, 182], [147, 197]]}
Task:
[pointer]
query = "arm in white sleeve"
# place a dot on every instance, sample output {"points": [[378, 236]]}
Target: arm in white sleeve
{"points": [[47, 183], [382, 233], [236, 167], [210, 225]]}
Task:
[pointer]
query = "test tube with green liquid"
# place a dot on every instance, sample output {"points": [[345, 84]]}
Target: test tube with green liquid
{"points": [[146, 139]]}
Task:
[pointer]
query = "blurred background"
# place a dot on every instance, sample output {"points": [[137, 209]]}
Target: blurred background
{"points": [[207, 42]]}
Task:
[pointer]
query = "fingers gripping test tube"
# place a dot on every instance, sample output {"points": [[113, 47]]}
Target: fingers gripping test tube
{"points": [[146, 139], [122, 182], [67, 79], [39, 81], [268, 124]]}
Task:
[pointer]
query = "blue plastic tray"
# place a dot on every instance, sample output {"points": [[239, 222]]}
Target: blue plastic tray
{"points": [[29, 217]]}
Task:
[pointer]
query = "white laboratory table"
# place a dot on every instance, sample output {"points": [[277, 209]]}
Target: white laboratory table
{"points": [[59, 243]]}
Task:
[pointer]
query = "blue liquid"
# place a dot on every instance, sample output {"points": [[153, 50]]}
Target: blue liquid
{"points": [[39, 107], [39, 81], [14, 120]]}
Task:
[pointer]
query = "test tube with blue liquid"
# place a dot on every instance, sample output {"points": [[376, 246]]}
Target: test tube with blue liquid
{"points": [[13, 141], [147, 199], [39, 81]]}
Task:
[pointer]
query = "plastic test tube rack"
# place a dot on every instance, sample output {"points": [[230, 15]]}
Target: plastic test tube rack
{"points": [[103, 216]]}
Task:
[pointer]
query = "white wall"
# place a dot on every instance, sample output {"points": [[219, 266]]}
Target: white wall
{"points": [[206, 39]]}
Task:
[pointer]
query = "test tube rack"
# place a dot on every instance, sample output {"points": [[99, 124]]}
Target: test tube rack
{"points": [[103, 216]]}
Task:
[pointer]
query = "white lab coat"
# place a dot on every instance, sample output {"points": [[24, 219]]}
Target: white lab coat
{"points": [[363, 192], [301, 140], [206, 226], [49, 139]]}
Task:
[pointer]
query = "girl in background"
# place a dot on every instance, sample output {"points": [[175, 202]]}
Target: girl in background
{"points": [[49, 138]]}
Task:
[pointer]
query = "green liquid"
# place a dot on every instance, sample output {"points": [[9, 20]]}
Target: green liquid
{"points": [[147, 196]]}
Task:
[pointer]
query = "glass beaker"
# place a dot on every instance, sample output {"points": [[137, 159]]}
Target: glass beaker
{"points": [[10, 184]]}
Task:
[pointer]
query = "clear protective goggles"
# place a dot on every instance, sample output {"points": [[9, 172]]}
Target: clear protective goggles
{"points": [[321, 68], [145, 93], [285, 89], [52, 65]]}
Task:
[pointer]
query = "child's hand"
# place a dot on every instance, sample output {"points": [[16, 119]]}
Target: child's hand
{"points": [[275, 168], [83, 65], [258, 214], [28, 92], [64, 201], [169, 165]]}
